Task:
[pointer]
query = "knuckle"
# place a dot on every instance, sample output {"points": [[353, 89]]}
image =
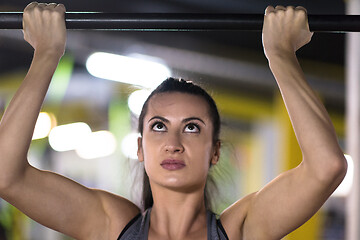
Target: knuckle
{"points": [[61, 7], [36, 10], [280, 8], [290, 7], [30, 5], [271, 15], [301, 9], [269, 8], [301, 14]]}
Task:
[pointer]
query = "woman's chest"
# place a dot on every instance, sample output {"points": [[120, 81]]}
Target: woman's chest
{"points": [[196, 235]]}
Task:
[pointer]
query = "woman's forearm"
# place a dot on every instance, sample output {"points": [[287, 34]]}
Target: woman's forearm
{"points": [[18, 122], [311, 122]]}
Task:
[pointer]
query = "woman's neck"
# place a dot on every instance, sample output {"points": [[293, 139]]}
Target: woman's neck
{"points": [[177, 214]]}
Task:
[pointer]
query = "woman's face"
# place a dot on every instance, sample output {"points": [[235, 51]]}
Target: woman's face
{"points": [[176, 146]]}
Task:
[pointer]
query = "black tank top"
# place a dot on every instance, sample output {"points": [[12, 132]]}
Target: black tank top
{"points": [[138, 227]]}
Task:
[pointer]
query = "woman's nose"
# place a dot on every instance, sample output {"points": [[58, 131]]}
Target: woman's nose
{"points": [[173, 143]]}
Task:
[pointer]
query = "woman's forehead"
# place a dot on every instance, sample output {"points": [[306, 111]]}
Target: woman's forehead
{"points": [[178, 104]]}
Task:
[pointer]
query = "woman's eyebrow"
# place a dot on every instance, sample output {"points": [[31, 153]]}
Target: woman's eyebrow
{"points": [[158, 117], [193, 118], [184, 120]]}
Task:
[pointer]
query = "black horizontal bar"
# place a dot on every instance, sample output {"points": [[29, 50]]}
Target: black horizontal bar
{"points": [[183, 22]]}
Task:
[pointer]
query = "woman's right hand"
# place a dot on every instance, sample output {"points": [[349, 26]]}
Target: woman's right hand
{"points": [[44, 27]]}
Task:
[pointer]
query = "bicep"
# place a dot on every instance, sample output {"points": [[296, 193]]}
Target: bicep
{"points": [[58, 203], [285, 203]]}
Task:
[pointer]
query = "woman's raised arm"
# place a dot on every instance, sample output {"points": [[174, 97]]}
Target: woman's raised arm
{"points": [[292, 198], [48, 198]]}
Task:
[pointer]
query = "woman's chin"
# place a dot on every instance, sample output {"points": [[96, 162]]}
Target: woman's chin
{"points": [[180, 185]]}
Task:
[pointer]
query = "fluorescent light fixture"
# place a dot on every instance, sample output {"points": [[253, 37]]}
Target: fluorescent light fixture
{"points": [[43, 125], [68, 137], [141, 72], [96, 145], [129, 145], [137, 99], [345, 187]]}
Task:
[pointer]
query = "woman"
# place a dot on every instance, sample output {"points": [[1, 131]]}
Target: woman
{"points": [[178, 144]]}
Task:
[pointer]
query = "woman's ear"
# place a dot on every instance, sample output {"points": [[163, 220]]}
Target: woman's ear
{"points": [[140, 150], [216, 153]]}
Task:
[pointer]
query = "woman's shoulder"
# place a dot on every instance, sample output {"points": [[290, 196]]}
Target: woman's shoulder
{"points": [[233, 218], [119, 210]]}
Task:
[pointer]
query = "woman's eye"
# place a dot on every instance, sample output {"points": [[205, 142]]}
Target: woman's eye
{"points": [[159, 127], [192, 128]]}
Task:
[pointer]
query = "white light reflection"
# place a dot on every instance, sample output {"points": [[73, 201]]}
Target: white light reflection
{"points": [[141, 72], [136, 100], [96, 145], [68, 137], [43, 126], [345, 187], [129, 145]]}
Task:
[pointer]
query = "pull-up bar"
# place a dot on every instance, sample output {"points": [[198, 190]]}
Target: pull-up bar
{"points": [[183, 22]]}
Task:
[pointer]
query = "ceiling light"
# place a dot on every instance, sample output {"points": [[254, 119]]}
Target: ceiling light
{"points": [[68, 137], [130, 70], [43, 125], [96, 145], [129, 145], [136, 100]]}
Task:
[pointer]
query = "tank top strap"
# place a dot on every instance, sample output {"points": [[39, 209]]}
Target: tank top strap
{"points": [[215, 230], [137, 228]]}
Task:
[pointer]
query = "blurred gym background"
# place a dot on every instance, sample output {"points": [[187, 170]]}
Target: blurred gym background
{"points": [[87, 128]]}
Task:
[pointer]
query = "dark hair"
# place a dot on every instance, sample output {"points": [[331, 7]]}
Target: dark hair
{"points": [[182, 86]]}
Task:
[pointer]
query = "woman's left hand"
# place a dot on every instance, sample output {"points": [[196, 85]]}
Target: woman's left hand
{"points": [[285, 30]]}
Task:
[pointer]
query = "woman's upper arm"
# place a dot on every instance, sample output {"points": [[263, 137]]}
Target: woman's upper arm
{"points": [[282, 205], [234, 216], [68, 207]]}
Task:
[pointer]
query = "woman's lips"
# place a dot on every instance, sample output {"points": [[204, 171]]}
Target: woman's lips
{"points": [[173, 164]]}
